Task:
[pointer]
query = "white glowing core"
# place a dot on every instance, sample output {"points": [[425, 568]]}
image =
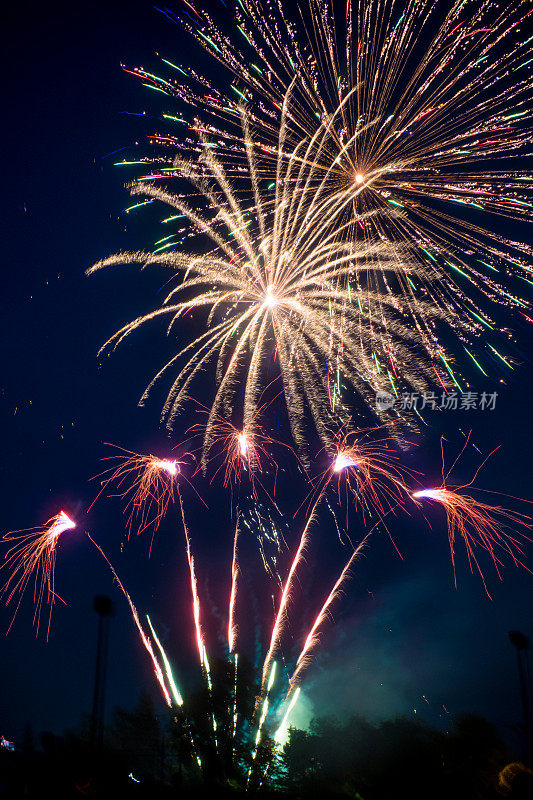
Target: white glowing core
{"points": [[243, 443], [433, 494], [342, 461], [359, 178], [270, 299], [62, 523], [169, 466]]}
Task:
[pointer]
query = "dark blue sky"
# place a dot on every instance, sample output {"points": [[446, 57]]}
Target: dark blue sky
{"points": [[402, 632]]}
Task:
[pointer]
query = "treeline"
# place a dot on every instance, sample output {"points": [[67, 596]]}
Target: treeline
{"points": [[395, 759], [146, 756]]}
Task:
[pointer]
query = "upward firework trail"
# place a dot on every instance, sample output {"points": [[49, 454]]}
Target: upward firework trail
{"points": [[33, 558], [232, 628], [281, 283], [312, 638], [194, 592]]}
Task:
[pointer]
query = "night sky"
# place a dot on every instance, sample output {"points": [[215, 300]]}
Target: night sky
{"points": [[404, 638]]}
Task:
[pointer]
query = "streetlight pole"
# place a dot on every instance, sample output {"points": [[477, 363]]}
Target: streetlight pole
{"points": [[104, 608], [522, 645]]}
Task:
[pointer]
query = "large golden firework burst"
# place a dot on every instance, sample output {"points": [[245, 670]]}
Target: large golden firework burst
{"points": [[284, 290]]}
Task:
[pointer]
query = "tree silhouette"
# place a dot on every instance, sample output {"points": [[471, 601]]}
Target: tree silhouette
{"points": [[218, 726]]}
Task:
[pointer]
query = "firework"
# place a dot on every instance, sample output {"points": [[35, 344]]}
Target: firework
{"points": [[281, 616], [240, 450], [480, 526], [145, 483], [202, 653], [32, 557], [417, 118], [280, 289], [176, 694], [312, 637], [264, 712], [368, 471]]}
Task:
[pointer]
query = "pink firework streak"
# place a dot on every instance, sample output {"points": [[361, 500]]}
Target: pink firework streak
{"points": [[479, 525], [232, 627], [33, 557]]}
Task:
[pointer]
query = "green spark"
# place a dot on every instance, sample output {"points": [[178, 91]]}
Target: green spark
{"points": [[484, 321], [514, 299], [403, 15], [245, 36], [168, 669], [429, 254], [157, 78], [500, 356], [176, 119], [211, 42], [174, 66], [488, 265], [452, 376], [165, 247], [520, 202], [137, 205], [476, 362], [458, 270], [238, 92], [524, 63], [155, 88]]}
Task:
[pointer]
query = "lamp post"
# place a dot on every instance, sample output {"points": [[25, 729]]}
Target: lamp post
{"points": [[104, 608], [522, 645]]}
